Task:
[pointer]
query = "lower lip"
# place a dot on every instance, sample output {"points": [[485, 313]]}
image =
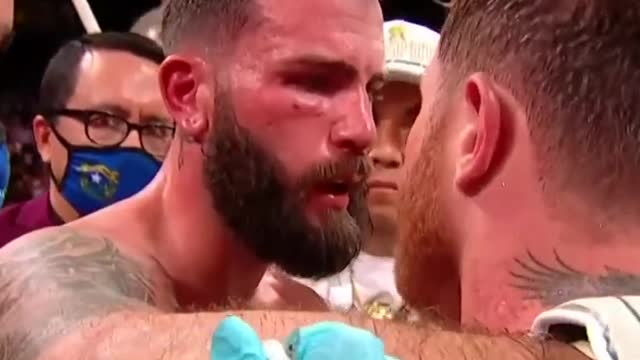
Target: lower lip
{"points": [[332, 201], [382, 189]]}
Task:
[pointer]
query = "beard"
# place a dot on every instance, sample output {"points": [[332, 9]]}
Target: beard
{"points": [[248, 188], [426, 263]]}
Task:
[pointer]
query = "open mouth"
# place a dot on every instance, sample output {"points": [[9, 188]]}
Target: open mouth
{"points": [[335, 188], [333, 194]]}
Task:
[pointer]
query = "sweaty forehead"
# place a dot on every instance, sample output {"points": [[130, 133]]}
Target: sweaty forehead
{"points": [[346, 30]]}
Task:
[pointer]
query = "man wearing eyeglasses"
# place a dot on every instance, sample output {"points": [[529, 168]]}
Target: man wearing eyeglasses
{"points": [[102, 129]]}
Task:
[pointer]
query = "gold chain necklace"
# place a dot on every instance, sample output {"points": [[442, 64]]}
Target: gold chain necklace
{"points": [[376, 308]]}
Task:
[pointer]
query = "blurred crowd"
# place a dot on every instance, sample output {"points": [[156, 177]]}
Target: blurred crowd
{"points": [[29, 175]]}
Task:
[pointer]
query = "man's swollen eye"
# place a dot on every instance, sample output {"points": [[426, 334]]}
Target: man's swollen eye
{"points": [[324, 84]]}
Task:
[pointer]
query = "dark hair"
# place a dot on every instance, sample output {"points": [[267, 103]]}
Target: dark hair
{"points": [[221, 21], [575, 66], [61, 75]]}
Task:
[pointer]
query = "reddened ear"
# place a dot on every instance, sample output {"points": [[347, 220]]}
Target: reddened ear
{"points": [[183, 82], [479, 138]]}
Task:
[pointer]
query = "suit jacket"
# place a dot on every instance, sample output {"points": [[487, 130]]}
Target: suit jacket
{"points": [[22, 218]]}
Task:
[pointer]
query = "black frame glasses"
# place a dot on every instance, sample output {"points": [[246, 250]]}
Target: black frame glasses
{"points": [[91, 118]]}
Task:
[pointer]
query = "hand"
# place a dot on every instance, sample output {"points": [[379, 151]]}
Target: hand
{"points": [[234, 339]]}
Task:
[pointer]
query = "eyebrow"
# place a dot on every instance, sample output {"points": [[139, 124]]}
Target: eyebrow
{"points": [[374, 83], [155, 120], [113, 109], [120, 111]]}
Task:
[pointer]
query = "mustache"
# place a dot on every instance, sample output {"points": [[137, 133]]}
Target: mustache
{"points": [[358, 168]]}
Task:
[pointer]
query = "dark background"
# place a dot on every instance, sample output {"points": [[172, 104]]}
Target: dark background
{"points": [[43, 25]]}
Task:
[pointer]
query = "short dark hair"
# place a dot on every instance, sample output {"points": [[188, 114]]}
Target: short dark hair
{"points": [[575, 66], [61, 75], [221, 21]]}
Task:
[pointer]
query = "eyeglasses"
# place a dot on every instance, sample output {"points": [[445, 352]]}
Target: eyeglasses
{"points": [[104, 129]]}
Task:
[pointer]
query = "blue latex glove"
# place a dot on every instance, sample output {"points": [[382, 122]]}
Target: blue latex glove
{"points": [[5, 170], [334, 340], [234, 339]]}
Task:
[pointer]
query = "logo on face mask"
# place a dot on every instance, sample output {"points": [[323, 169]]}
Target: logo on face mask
{"points": [[98, 181], [95, 178]]}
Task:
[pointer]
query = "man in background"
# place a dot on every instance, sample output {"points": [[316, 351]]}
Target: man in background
{"points": [[101, 129], [368, 284]]}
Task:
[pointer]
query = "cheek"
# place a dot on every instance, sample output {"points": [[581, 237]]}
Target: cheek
{"points": [[58, 159], [414, 142], [293, 127]]}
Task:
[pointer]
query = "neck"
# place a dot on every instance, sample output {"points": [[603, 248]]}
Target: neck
{"points": [[208, 265], [60, 205], [509, 274], [380, 244]]}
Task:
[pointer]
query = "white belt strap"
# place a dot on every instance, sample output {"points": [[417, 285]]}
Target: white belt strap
{"points": [[612, 325]]}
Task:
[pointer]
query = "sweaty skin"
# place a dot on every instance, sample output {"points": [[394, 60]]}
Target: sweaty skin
{"points": [[133, 281], [72, 295]]}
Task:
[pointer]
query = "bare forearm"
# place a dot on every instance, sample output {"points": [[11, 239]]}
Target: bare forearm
{"points": [[188, 336], [138, 335]]}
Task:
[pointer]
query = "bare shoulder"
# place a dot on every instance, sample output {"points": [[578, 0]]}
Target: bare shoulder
{"points": [[53, 280]]}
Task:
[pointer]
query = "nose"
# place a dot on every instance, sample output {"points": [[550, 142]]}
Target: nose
{"points": [[133, 139], [356, 130], [385, 154]]}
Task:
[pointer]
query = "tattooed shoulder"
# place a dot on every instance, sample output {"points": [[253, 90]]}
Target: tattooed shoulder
{"points": [[556, 282], [54, 280]]}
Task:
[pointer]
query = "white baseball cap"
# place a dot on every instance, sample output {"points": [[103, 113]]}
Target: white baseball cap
{"points": [[150, 24], [409, 48]]}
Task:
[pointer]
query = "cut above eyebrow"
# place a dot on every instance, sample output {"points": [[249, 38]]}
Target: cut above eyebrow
{"points": [[316, 60]]}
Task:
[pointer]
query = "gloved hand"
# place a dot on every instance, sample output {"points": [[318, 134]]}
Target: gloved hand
{"points": [[235, 339], [334, 340]]}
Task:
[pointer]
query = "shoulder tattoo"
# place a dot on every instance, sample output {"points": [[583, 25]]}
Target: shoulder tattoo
{"points": [[51, 282]]}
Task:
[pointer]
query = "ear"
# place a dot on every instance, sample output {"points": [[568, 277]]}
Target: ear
{"points": [[42, 134], [480, 132], [183, 83]]}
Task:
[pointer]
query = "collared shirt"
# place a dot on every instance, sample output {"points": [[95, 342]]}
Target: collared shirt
{"points": [[19, 219]]}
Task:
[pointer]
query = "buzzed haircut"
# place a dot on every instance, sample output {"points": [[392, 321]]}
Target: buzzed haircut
{"points": [[575, 66], [61, 75], [218, 22]]}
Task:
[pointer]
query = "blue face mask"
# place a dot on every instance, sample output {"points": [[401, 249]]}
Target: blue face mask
{"points": [[95, 178], [5, 170]]}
